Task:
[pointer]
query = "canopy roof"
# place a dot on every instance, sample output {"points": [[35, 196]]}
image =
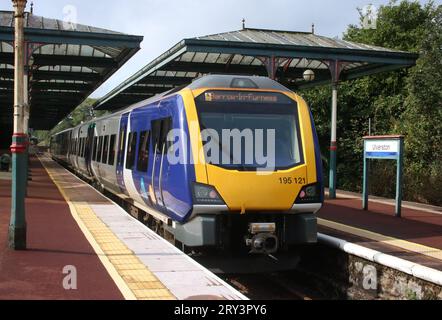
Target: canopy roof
{"points": [[283, 55], [67, 62]]}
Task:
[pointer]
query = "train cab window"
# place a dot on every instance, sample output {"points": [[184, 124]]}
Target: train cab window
{"points": [[258, 112], [131, 146], [105, 149], [111, 160], [94, 150], [143, 151], [100, 149]]}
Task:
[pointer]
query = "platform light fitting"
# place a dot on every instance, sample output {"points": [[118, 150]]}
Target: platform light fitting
{"points": [[308, 75]]}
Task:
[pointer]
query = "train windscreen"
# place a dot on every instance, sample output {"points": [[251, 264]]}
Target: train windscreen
{"points": [[244, 130]]}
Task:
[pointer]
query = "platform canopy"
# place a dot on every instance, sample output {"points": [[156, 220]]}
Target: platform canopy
{"points": [[67, 62], [282, 55]]}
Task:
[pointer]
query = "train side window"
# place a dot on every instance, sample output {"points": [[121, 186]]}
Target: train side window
{"points": [[105, 149], [160, 130], [84, 148], [166, 128], [94, 150], [100, 148], [143, 151], [81, 147], [156, 132], [111, 160], [131, 148]]}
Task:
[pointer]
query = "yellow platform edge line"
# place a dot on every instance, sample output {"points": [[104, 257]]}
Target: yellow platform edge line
{"points": [[113, 273], [403, 244], [132, 263]]}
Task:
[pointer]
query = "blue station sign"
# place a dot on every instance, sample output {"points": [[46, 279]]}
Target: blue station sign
{"points": [[388, 148], [381, 149]]}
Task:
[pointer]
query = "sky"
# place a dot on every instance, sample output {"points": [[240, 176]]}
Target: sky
{"points": [[163, 23]]}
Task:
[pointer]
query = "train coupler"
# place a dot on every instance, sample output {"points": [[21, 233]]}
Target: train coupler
{"points": [[262, 238]]}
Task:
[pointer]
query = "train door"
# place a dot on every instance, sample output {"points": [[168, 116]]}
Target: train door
{"points": [[121, 151], [140, 171], [160, 163]]}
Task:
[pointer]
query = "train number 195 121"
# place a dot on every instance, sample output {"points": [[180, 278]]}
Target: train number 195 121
{"points": [[291, 180]]}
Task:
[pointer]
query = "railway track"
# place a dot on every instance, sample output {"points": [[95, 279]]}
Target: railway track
{"points": [[271, 286]]}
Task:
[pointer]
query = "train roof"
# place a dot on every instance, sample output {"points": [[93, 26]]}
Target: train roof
{"points": [[207, 81], [237, 82]]}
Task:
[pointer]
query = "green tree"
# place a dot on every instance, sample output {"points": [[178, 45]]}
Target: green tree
{"points": [[397, 102], [421, 121], [83, 113]]}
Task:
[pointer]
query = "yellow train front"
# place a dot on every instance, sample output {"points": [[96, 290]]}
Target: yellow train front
{"points": [[257, 166]]}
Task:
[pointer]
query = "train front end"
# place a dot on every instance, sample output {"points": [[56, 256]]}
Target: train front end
{"points": [[257, 167]]}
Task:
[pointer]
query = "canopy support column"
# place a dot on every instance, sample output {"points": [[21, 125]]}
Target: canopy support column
{"points": [[272, 64], [335, 67], [26, 112], [17, 227], [333, 144]]}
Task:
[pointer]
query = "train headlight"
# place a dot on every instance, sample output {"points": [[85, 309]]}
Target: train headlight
{"points": [[205, 194], [310, 194]]}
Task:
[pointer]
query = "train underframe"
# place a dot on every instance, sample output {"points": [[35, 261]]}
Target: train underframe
{"points": [[254, 233], [230, 242]]}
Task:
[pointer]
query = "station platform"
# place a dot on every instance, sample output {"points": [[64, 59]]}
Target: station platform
{"points": [[115, 256], [416, 237]]}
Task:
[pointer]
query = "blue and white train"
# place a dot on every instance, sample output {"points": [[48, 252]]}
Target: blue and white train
{"points": [[200, 202]]}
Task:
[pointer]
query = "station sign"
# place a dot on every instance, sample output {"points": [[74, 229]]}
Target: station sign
{"points": [[388, 148], [381, 149]]}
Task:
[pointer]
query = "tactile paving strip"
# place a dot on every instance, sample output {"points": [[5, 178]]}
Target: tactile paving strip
{"points": [[133, 278]]}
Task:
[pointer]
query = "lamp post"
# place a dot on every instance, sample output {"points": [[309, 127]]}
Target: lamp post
{"points": [[17, 227]]}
